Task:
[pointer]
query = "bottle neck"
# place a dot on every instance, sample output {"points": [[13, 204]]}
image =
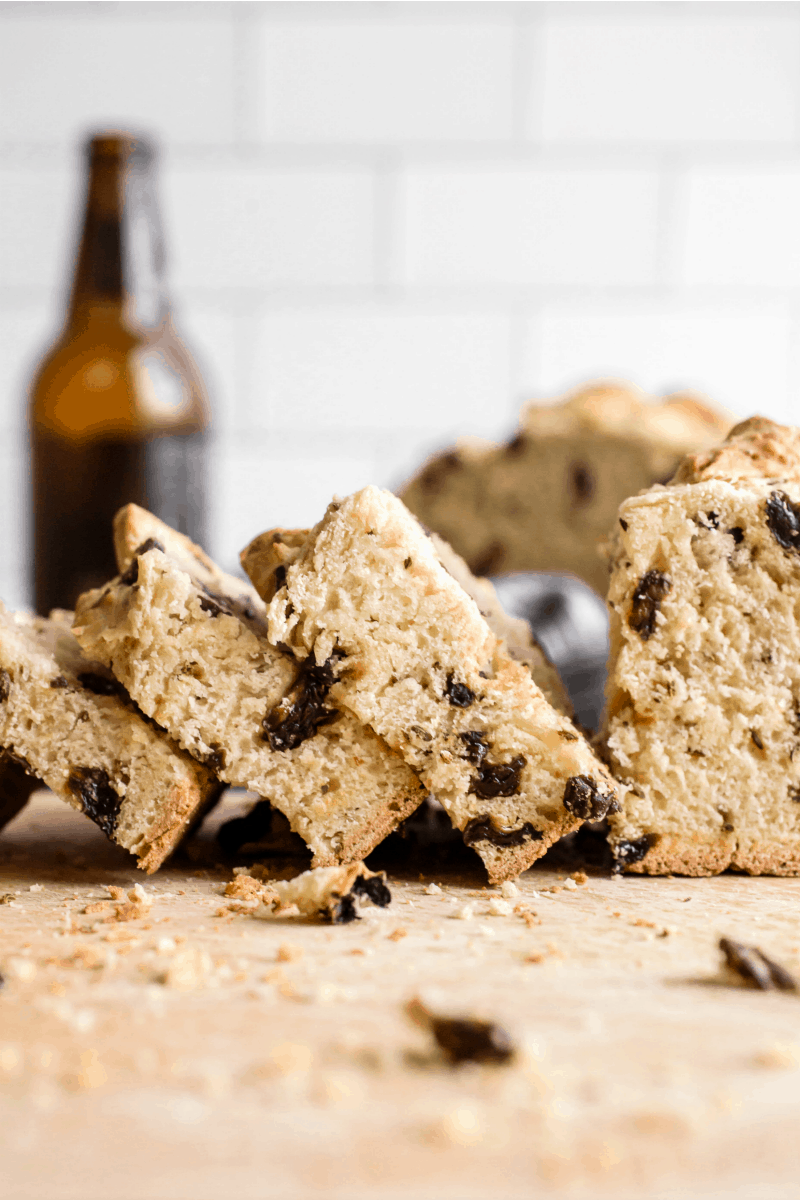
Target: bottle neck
{"points": [[120, 268]]}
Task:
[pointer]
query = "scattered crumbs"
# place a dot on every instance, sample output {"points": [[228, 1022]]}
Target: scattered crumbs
{"points": [[433, 889], [36, 887], [397, 935], [465, 913], [499, 907], [580, 877], [288, 952], [684, 899], [641, 921], [668, 931], [7, 898], [509, 890], [555, 887], [528, 916], [357, 951], [570, 885]]}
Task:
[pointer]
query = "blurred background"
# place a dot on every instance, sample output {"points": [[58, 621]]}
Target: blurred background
{"points": [[388, 224]]}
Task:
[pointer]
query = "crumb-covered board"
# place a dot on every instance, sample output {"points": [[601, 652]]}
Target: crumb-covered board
{"points": [[159, 1041]]}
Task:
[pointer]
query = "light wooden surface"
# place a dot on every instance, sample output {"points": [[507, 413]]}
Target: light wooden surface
{"points": [[274, 1058]]}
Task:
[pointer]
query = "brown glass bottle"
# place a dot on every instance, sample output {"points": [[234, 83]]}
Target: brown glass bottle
{"points": [[118, 408]]}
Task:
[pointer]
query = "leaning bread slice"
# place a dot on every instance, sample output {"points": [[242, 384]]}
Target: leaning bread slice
{"points": [[65, 720], [192, 649], [268, 556], [703, 724], [411, 655]]}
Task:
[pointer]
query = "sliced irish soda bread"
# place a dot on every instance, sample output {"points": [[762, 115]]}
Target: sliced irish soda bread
{"points": [[543, 500], [369, 600], [267, 557], [703, 724], [65, 720], [190, 645]]}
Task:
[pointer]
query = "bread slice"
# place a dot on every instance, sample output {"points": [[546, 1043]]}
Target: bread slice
{"points": [[703, 722], [66, 721], [369, 598], [268, 556], [190, 645], [543, 500]]}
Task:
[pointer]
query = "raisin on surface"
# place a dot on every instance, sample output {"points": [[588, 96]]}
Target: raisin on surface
{"points": [[752, 965], [464, 1040], [100, 685], [483, 829], [713, 519], [92, 786], [582, 483], [345, 911], [374, 888], [459, 695], [783, 521], [583, 798], [624, 525], [304, 710], [497, 779], [650, 591], [737, 533], [628, 852], [475, 746], [5, 685], [130, 576]]}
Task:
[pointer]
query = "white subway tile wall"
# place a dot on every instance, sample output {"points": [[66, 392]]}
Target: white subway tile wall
{"points": [[388, 224]]}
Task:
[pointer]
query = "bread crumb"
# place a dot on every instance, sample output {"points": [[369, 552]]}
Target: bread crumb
{"points": [[779, 1056], [398, 934], [461, 1126], [499, 908], [508, 890], [528, 916], [288, 953], [189, 969], [433, 889], [21, 968], [580, 877], [465, 913], [36, 887], [570, 885]]}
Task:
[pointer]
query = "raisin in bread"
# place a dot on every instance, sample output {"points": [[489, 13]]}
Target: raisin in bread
{"points": [[411, 656], [543, 500], [703, 721], [65, 720], [190, 645]]}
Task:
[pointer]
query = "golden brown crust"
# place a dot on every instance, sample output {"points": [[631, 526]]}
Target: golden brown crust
{"points": [[510, 863], [756, 448], [363, 840], [696, 855]]}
